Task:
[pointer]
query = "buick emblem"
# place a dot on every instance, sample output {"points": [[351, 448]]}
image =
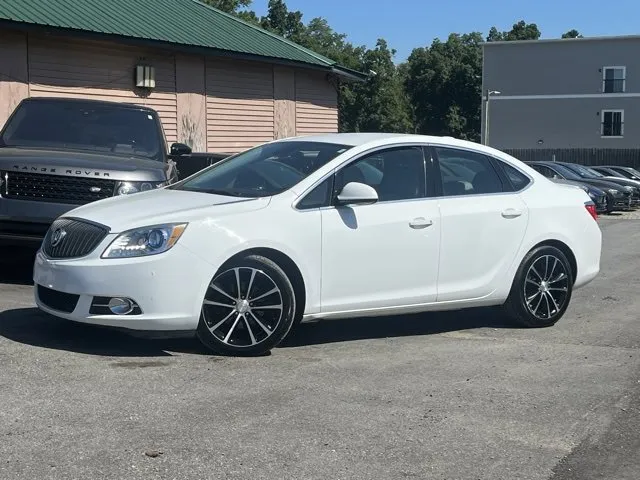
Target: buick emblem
{"points": [[57, 237], [95, 189]]}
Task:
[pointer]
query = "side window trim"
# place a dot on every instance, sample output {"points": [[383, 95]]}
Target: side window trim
{"points": [[499, 166], [490, 160], [376, 150]]}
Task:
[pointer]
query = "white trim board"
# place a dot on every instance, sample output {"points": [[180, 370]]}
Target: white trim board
{"points": [[562, 96]]}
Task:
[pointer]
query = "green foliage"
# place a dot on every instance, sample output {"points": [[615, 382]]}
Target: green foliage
{"points": [[229, 6], [436, 91], [573, 33]]}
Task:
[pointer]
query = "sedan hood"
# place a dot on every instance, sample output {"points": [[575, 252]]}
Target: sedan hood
{"points": [[163, 206]]}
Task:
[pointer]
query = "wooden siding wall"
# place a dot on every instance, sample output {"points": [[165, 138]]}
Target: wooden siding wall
{"points": [[100, 71], [240, 105], [212, 104], [316, 104]]}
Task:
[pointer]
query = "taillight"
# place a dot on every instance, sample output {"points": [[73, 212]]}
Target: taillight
{"points": [[591, 208]]}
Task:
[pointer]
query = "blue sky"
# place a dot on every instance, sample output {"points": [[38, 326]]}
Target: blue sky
{"points": [[406, 24]]}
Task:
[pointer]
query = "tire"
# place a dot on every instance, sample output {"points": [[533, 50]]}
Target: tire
{"points": [[258, 320], [550, 284], [610, 203]]}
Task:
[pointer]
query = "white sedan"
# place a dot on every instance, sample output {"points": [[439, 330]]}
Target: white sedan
{"points": [[323, 227]]}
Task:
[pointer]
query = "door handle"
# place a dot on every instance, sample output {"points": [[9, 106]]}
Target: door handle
{"points": [[420, 222], [511, 213]]}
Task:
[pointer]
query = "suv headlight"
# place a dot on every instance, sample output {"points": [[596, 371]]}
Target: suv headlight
{"points": [[613, 191], [141, 242], [127, 188]]}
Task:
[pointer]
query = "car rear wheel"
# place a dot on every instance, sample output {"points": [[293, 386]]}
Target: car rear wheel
{"points": [[542, 288], [248, 309]]}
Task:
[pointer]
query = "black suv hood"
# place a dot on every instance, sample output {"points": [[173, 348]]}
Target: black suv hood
{"points": [[86, 164]]}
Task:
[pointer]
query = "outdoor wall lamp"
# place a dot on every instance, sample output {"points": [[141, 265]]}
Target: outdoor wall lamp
{"points": [[145, 76]]}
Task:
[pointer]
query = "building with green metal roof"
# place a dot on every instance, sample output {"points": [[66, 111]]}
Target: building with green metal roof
{"points": [[218, 83]]}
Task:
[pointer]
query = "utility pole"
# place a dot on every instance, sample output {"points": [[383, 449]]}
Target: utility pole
{"points": [[486, 115]]}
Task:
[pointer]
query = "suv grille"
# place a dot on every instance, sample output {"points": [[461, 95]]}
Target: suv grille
{"points": [[69, 238], [56, 188]]}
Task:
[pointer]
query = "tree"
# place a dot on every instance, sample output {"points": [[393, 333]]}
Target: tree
{"points": [[443, 84], [229, 6], [520, 31], [281, 21], [573, 33]]}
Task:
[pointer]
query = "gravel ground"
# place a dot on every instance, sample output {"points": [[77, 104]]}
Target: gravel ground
{"points": [[446, 396]]}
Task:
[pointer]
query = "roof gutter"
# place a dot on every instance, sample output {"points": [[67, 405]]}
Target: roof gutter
{"points": [[349, 74]]}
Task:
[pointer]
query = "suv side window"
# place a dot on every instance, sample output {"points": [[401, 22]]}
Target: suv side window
{"points": [[467, 173], [396, 173]]}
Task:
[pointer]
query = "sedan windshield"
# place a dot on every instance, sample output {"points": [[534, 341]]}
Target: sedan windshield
{"points": [[87, 126], [566, 173], [263, 171]]}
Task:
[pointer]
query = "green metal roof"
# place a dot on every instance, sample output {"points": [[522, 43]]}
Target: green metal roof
{"points": [[179, 22]]}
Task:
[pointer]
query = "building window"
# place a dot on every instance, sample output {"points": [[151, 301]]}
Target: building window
{"points": [[612, 123], [614, 79]]}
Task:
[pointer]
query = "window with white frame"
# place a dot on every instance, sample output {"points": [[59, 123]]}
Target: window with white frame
{"points": [[614, 79], [612, 123]]}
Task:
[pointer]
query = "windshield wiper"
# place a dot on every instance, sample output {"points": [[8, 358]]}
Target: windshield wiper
{"points": [[214, 191]]}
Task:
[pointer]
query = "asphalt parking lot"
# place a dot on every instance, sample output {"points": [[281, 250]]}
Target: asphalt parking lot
{"points": [[446, 396]]}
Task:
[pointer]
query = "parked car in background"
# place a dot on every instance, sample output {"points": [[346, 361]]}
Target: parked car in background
{"points": [[628, 172], [598, 195], [191, 163], [589, 173], [58, 153], [320, 227], [619, 197]]}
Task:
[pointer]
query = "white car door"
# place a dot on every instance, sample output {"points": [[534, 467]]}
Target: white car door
{"points": [[383, 254], [483, 219]]}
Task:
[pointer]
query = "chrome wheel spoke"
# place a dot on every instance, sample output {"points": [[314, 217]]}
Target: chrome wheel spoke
{"points": [[217, 325], [264, 295], [257, 320], [268, 307], [253, 338], [528, 280], [561, 289], [538, 305], [546, 299], [237, 272], [218, 304], [533, 269], [532, 297], [546, 267], [561, 277], [253, 276], [555, 305], [233, 327], [219, 290]]}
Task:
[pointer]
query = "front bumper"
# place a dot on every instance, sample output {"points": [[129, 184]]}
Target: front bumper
{"points": [[168, 288]]}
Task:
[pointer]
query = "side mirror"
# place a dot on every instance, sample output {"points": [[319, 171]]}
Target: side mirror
{"points": [[355, 193], [178, 149]]}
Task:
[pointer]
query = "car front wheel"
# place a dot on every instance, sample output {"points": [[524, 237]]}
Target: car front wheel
{"points": [[542, 288], [248, 309]]}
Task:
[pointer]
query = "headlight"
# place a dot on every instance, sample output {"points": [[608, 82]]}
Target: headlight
{"points": [[141, 242], [613, 191], [127, 188]]}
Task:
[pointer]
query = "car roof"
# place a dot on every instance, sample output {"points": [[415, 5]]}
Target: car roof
{"points": [[86, 101], [364, 138]]}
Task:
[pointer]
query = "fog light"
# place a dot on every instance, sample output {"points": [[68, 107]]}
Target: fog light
{"points": [[120, 306]]}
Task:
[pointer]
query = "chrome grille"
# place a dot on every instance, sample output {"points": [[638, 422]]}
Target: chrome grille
{"points": [[70, 238], [56, 188]]}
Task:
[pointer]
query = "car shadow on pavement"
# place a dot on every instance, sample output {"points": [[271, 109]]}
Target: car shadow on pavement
{"points": [[335, 331], [30, 326]]}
